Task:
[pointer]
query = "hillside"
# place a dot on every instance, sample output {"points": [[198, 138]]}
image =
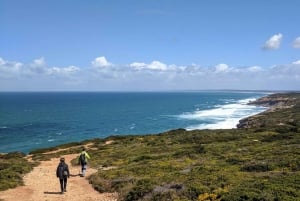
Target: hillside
{"points": [[257, 161]]}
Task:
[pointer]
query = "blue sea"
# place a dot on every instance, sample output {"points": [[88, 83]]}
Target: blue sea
{"points": [[31, 120]]}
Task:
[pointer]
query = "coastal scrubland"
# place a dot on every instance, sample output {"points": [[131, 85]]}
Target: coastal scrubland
{"points": [[12, 168], [258, 161]]}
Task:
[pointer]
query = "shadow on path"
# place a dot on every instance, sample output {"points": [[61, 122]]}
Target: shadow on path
{"points": [[74, 175], [47, 192]]}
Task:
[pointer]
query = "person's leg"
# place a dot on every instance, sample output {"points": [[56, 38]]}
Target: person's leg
{"points": [[65, 184], [83, 170], [61, 185]]}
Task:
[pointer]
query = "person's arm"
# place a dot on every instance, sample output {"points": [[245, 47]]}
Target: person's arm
{"points": [[57, 172], [87, 155], [67, 168]]}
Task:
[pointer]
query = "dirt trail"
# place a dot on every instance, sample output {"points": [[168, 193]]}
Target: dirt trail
{"points": [[41, 184]]}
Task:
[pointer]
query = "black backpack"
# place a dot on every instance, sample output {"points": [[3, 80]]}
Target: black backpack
{"points": [[82, 160]]}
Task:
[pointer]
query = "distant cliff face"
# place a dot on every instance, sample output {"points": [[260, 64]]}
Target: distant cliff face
{"points": [[275, 103], [250, 122]]}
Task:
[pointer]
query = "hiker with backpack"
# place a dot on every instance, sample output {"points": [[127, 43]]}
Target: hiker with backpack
{"points": [[63, 173], [82, 160]]}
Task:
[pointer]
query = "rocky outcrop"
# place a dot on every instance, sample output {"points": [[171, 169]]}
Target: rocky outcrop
{"points": [[250, 122], [274, 102]]}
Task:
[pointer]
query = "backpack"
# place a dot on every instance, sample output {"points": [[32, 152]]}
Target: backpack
{"points": [[62, 170], [82, 159]]}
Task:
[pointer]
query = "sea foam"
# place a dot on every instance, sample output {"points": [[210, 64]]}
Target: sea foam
{"points": [[222, 116]]}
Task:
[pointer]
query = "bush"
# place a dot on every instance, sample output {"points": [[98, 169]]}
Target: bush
{"points": [[234, 161], [12, 168], [169, 195], [100, 184], [13, 155], [142, 158], [258, 167], [190, 152], [277, 137], [192, 192], [141, 188]]}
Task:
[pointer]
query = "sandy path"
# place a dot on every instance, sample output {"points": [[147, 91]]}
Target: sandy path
{"points": [[41, 184]]}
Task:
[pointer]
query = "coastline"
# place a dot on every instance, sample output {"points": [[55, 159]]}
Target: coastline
{"points": [[274, 102], [47, 120], [224, 163]]}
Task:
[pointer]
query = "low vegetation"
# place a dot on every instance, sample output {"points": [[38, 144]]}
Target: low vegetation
{"points": [[260, 162], [12, 168]]}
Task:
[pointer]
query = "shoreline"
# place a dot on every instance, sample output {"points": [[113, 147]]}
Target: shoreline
{"points": [[179, 159], [266, 101], [273, 103]]}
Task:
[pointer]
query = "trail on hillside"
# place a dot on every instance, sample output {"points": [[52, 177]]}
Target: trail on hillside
{"points": [[41, 184]]}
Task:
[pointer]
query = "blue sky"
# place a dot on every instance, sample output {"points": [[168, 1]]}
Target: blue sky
{"points": [[146, 45]]}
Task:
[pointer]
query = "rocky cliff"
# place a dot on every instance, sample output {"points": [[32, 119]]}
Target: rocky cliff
{"points": [[274, 102]]}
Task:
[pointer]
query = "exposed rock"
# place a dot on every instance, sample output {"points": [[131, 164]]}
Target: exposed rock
{"points": [[250, 122], [274, 102]]}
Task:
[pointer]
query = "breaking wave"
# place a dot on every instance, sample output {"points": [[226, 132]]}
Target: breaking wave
{"points": [[222, 116]]}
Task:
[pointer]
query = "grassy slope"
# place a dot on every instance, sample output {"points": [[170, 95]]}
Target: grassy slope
{"points": [[260, 163], [12, 168]]}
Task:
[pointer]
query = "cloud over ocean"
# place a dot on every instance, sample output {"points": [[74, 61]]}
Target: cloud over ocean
{"points": [[104, 75]]}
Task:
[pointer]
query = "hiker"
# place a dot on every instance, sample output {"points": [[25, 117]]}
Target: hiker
{"points": [[83, 157], [62, 172]]}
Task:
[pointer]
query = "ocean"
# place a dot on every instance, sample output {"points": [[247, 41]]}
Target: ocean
{"points": [[31, 120]]}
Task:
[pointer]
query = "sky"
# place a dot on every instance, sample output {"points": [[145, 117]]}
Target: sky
{"points": [[149, 45]]}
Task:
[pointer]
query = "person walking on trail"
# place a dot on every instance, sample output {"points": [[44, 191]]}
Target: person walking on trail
{"points": [[63, 173], [83, 158]]}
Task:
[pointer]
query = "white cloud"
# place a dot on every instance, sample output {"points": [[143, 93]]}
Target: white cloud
{"points": [[138, 66], [154, 65], [38, 66], [296, 62], [36, 70], [221, 68], [39, 62], [254, 69], [2, 62], [296, 43], [100, 62], [10, 67], [141, 76], [273, 42], [63, 71], [287, 71]]}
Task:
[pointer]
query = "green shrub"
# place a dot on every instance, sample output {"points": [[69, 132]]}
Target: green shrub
{"points": [[142, 158], [168, 195], [140, 189], [100, 184], [12, 168], [279, 136], [234, 161], [257, 167], [13, 155]]}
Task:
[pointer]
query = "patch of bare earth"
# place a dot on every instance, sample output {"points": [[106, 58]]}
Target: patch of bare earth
{"points": [[41, 184]]}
